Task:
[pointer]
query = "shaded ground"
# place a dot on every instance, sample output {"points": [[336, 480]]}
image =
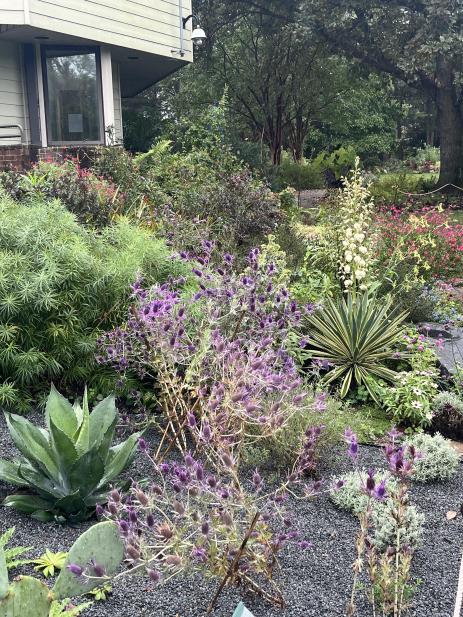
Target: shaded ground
{"points": [[316, 582], [312, 198]]}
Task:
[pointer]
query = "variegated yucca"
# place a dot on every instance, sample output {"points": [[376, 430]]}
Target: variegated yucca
{"points": [[357, 337]]}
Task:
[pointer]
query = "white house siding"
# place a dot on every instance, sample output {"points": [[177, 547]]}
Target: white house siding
{"points": [[12, 100], [12, 12], [145, 25], [118, 131]]}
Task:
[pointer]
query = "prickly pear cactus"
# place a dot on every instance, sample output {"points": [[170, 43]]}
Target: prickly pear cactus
{"points": [[3, 575], [26, 597], [98, 552]]}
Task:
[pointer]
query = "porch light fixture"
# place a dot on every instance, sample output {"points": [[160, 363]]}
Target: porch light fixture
{"points": [[198, 36]]}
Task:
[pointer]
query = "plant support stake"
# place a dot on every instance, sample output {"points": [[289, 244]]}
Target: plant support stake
{"points": [[458, 602]]}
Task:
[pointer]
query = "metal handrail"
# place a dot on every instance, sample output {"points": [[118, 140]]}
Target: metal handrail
{"points": [[12, 126]]}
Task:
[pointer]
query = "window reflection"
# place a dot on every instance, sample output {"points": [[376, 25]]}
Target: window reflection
{"points": [[73, 96]]}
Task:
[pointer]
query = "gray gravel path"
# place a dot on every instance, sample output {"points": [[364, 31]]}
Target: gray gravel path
{"points": [[316, 583]]}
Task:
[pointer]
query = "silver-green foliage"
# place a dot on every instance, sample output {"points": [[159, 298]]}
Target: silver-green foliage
{"points": [[439, 460], [69, 465], [388, 532], [352, 498], [60, 284]]}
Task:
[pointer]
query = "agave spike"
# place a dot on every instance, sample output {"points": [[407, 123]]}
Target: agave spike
{"points": [[70, 465]]}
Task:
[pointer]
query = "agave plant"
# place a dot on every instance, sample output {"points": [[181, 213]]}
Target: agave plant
{"points": [[70, 465], [356, 336]]}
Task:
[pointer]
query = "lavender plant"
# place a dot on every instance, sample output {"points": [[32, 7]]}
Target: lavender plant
{"points": [[388, 567], [218, 353]]}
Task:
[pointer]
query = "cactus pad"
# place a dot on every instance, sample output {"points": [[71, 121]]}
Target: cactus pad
{"points": [[101, 544], [27, 597], [3, 575]]}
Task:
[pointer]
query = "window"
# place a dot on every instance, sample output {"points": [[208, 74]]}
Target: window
{"points": [[73, 95]]}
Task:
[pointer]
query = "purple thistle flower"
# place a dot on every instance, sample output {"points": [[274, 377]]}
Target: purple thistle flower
{"points": [[75, 569]]}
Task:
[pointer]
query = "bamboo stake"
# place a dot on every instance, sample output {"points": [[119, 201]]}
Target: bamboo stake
{"points": [[234, 564], [459, 599]]}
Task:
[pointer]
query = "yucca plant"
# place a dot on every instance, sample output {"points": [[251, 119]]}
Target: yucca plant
{"points": [[70, 465], [357, 337]]}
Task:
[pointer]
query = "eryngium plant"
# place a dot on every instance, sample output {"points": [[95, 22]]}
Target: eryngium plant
{"points": [[356, 336], [189, 519], [219, 356], [70, 465]]}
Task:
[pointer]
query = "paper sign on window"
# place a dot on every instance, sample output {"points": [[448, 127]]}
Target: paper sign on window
{"points": [[75, 123]]}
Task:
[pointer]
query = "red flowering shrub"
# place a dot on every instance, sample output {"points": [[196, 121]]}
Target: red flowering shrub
{"points": [[425, 240], [90, 197]]}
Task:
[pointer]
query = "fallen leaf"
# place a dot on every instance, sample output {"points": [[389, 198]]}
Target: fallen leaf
{"points": [[451, 514]]}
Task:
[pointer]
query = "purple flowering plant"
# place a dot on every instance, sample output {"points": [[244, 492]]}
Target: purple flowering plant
{"points": [[218, 352], [389, 569], [191, 519]]}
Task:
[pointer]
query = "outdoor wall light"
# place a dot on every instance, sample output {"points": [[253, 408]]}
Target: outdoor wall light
{"points": [[198, 36]]}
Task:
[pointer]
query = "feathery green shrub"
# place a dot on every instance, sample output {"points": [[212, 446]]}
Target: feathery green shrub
{"points": [[61, 284]]}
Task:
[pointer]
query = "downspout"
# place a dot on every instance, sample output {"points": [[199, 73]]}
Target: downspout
{"points": [[182, 36]]}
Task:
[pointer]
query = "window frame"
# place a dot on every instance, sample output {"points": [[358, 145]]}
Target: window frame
{"points": [[80, 49]]}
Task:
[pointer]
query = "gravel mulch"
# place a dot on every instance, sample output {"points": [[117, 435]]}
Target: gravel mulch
{"points": [[316, 582]]}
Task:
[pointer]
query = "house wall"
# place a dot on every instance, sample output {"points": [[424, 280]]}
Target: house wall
{"points": [[13, 109], [144, 25], [118, 130], [12, 12]]}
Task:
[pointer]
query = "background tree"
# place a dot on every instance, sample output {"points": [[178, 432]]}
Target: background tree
{"points": [[418, 43]]}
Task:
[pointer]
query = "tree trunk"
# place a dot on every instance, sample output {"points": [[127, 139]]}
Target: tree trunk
{"points": [[430, 122], [275, 132], [297, 135], [450, 126]]}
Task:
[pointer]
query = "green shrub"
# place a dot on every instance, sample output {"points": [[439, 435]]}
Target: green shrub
{"points": [[351, 497], [336, 164], [408, 401], [91, 198], [169, 191], [439, 460], [71, 465], [59, 286], [300, 176]]}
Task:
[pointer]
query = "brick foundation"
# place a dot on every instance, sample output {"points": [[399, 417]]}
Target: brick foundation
{"points": [[85, 155], [15, 157], [20, 158]]}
